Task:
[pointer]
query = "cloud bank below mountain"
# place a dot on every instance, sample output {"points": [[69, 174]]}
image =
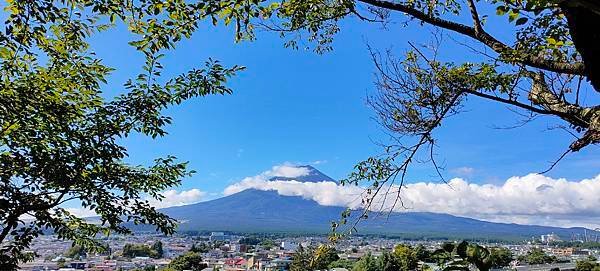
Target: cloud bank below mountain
{"points": [[529, 199]]}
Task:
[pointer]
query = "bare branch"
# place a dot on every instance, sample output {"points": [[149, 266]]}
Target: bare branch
{"points": [[556, 162]]}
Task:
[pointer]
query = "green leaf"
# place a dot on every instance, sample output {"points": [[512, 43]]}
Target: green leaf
{"points": [[513, 15], [501, 10], [4, 53]]}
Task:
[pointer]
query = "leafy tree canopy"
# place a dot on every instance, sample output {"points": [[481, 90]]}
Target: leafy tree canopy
{"points": [[141, 250], [76, 251], [589, 264], [188, 261], [202, 247], [313, 258], [463, 255], [158, 247], [500, 257], [402, 258], [252, 241], [537, 256], [267, 244], [366, 263], [342, 263], [406, 256], [60, 138]]}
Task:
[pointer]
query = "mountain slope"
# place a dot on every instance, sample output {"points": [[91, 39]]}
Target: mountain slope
{"points": [[256, 210], [266, 211]]}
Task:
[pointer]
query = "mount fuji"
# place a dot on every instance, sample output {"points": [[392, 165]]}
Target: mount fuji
{"points": [[254, 210]]}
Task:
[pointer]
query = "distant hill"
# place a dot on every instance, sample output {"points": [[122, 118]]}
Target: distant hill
{"points": [[254, 210]]}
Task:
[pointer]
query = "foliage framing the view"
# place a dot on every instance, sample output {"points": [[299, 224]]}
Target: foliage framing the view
{"points": [[450, 256], [60, 138]]}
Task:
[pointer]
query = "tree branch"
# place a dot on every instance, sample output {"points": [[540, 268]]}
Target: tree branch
{"points": [[483, 37], [510, 102], [583, 117], [475, 16]]}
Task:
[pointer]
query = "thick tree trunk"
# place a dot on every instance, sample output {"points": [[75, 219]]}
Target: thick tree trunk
{"points": [[584, 25], [583, 17]]}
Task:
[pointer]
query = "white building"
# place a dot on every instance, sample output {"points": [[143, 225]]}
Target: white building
{"points": [[548, 238]]}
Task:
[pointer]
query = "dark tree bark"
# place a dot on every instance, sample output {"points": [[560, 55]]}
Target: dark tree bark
{"points": [[584, 26]]}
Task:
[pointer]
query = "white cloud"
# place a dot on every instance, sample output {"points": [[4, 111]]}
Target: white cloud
{"points": [[81, 212], [532, 194], [175, 198], [171, 198], [324, 193], [530, 199], [286, 170], [463, 171], [318, 162]]}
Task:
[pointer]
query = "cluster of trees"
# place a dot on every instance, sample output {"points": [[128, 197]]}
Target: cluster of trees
{"points": [[313, 258], [537, 256], [202, 247], [451, 256], [589, 264], [188, 261], [264, 241], [76, 252], [387, 262], [251, 241], [268, 244], [463, 256], [403, 257], [191, 260], [501, 257], [141, 250]]}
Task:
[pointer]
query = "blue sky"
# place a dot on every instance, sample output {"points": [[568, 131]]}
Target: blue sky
{"points": [[300, 107]]}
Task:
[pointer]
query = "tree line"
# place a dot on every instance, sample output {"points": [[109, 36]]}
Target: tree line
{"points": [[450, 256]]}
